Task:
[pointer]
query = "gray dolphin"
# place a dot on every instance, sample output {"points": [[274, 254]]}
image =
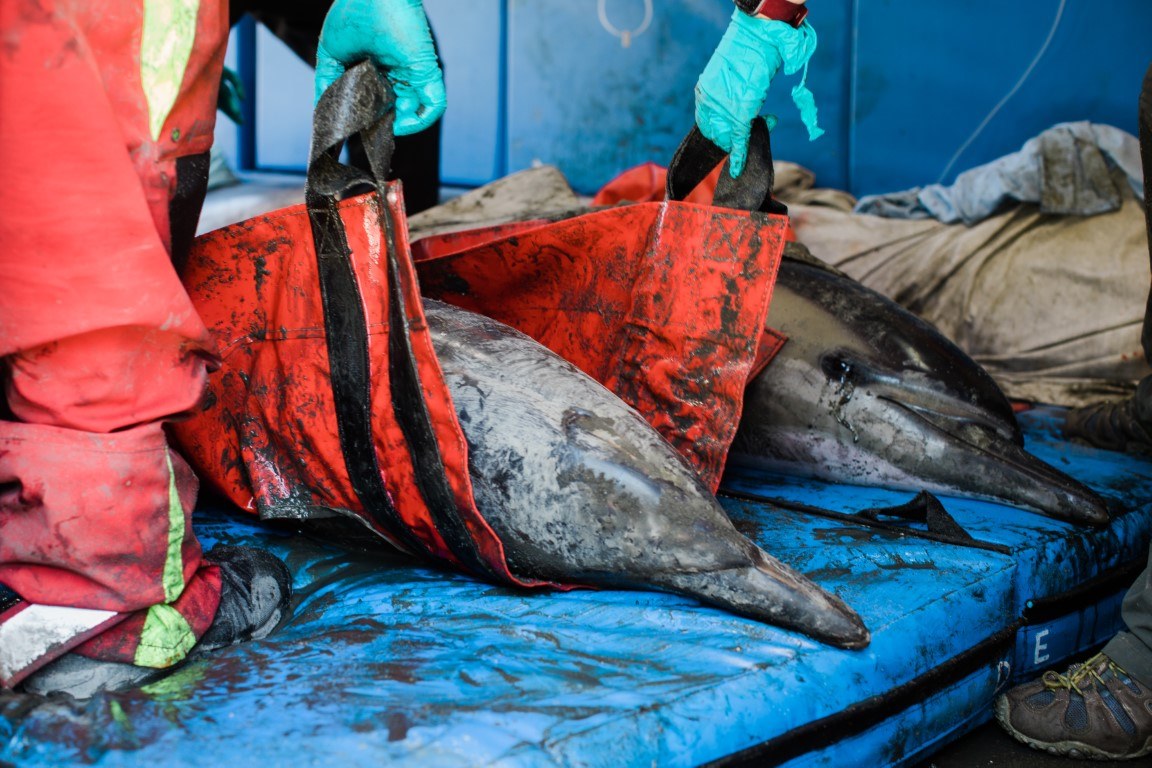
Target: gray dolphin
{"points": [[582, 490], [865, 392]]}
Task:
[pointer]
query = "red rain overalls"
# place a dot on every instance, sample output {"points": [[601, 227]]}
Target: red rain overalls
{"points": [[99, 342]]}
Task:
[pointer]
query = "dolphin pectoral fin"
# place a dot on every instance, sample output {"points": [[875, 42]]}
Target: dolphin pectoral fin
{"points": [[771, 592]]}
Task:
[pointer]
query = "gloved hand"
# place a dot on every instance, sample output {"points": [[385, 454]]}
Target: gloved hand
{"points": [[731, 90], [394, 34]]}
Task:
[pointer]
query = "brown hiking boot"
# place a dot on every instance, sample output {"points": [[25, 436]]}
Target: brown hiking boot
{"points": [[1094, 711], [1116, 426]]}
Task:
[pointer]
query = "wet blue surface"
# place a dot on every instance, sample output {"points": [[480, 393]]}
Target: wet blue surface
{"points": [[385, 661]]}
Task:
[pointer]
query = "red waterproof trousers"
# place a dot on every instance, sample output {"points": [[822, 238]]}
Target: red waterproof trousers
{"points": [[98, 340]]}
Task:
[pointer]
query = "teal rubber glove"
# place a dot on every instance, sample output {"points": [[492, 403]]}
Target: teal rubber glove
{"points": [[394, 34], [732, 88]]}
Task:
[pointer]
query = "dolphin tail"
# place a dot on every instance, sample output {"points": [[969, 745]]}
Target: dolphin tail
{"points": [[769, 591]]}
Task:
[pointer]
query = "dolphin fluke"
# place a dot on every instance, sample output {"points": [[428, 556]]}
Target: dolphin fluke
{"points": [[582, 490], [866, 392]]}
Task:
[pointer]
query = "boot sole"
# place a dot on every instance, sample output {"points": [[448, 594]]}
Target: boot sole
{"points": [[1074, 749]]}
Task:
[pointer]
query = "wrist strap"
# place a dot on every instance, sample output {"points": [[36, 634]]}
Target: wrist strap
{"points": [[777, 10]]}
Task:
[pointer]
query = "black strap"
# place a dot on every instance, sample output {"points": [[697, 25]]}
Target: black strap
{"points": [[821, 734], [1144, 123], [1041, 610], [361, 102], [750, 191], [415, 422]]}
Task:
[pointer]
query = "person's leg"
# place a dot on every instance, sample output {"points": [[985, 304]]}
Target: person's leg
{"points": [[1126, 425], [99, 343], [1103, 707], [1132, 649]]}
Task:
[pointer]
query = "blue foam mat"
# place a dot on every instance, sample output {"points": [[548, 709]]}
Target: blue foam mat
{"points": [[385, 661]]}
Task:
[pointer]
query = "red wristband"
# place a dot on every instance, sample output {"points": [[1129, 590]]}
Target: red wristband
{"points": [[781, 10]]}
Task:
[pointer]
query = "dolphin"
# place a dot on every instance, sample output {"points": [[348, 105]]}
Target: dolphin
{"points": [[865, 392], [582, 490]]}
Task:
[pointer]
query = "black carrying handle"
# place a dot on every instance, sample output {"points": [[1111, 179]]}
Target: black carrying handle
{"points": [[750, 191], [361, 102]]}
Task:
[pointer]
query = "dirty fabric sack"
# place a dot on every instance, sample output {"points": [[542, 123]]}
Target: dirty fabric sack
{"points": [[662, 302], [330, 400]]}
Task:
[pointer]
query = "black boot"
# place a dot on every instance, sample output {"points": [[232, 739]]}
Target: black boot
{"points": [[255, 596], [1125, 425]]}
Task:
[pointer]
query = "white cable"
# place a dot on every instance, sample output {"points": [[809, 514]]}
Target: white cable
{"points": [[625, 35], [1009, 95]]}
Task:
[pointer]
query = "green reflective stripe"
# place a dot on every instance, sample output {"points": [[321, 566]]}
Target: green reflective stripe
{"points": [[167, 636], [165, 639], [174, 560], [165, 47]]}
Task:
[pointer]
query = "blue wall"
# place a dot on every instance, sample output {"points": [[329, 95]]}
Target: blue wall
{"points": [[927, 75], [910, 92]]}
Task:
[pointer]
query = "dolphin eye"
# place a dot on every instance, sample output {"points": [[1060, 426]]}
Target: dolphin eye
{"points": [[838, 366]]}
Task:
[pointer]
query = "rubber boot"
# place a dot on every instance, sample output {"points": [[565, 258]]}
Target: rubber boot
{"points": [[255, 597]]}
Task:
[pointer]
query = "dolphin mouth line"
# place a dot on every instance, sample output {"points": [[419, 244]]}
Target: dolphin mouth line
{"points": [[1052, 493], [996, 439], [846, 368]]}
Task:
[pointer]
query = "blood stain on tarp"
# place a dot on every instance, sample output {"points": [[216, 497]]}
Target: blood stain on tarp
{"points": [[899, 563], [392, 670]]}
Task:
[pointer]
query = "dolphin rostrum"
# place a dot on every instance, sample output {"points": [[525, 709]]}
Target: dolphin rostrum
{"points": [[582, 490], [865, 392]]}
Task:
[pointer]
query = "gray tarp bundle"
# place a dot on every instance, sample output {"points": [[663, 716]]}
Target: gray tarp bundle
{"points": [[1046, 297], [1068, 169]]}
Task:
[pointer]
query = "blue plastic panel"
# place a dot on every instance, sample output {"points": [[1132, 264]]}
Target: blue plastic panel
{"points": [[470, 37], [928, 76], [915, 733], [581, 99], [1051, 558], [284, 95], [1047, 645], [226, 138], [384, 662], [909, 92]]}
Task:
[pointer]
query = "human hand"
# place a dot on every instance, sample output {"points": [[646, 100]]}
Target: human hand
{"points": [[394, 34], [733, 86]]}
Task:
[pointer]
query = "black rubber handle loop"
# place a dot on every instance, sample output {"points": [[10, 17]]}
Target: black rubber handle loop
{"points": [[750, 191], [360, 102]]}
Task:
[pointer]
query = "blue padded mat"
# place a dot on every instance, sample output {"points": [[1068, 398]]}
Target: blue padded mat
{"points": [[388, 662]]}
